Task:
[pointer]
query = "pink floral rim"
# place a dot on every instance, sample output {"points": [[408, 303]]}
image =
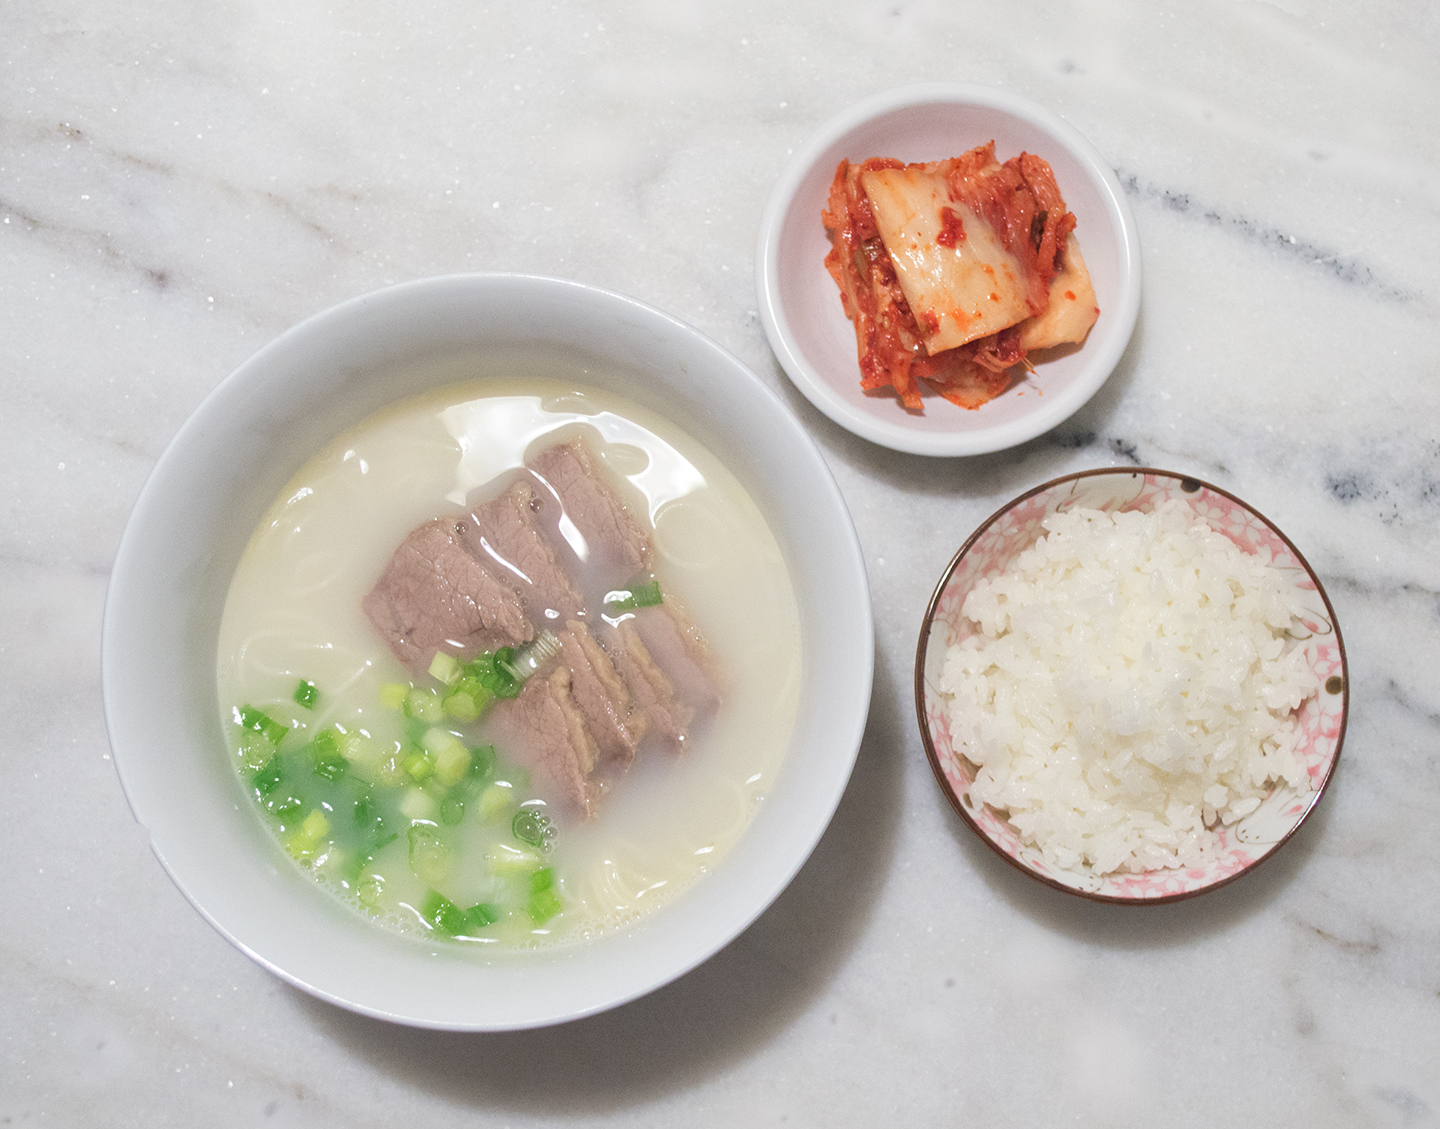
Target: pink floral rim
{"points": [[1322, 718]]}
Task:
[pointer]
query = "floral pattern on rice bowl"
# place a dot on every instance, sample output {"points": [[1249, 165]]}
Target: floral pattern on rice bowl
{"points": [[990, 551]]}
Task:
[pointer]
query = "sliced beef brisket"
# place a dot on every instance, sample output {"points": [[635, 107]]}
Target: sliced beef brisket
{"points": [[545, 730], [505, 536], [433, 595], [612, 535], [601, 696]]}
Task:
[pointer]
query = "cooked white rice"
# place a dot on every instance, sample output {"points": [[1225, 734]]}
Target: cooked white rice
{"points": [[1129, 688]]}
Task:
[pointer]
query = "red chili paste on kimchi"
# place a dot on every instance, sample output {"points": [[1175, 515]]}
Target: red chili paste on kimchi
{"points": [[980, 244]]}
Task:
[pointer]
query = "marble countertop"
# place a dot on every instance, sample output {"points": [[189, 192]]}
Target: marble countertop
{"points": [[180, 183]]}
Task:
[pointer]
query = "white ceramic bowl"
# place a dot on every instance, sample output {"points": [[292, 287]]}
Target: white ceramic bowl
{"points": [[800, 303], [196, 514], [1012, 530]]}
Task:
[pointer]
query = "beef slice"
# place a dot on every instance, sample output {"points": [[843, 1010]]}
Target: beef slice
{"points": [[667, 718], [613, 537], [544, 730], [601, 696], [677, 647], [433, 595], [505, 537]]}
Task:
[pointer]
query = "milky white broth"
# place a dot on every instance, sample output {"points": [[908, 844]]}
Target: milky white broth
{"points": [[294, 611]]}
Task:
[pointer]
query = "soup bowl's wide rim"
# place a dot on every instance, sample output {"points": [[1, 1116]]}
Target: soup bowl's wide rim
{"points": [[1283, 812], [194, 516]]}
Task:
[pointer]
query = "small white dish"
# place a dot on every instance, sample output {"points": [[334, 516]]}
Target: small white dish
{"points": [[196, 513], [800, 303]]}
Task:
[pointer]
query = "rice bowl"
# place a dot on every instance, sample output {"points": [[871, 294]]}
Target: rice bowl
{"points": [[1112, 769]]}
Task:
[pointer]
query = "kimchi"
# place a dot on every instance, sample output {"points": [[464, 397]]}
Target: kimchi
{"points": [[953, 271]]}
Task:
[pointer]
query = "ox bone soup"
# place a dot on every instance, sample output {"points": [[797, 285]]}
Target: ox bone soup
{"points": [[509, 663]]}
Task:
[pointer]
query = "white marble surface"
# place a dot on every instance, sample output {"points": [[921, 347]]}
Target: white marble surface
{"points": [[179, 183]]}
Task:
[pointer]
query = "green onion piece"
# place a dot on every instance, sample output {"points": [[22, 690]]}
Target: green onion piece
{"points": [[466, 699], [451, 756], [543, 905], [378, 840], [510, 862], [452, 810], [495, 799], [391, 769], [482, 915], [306, 694], [424, 705], [364, 812], [285, 809], [255, 749], [369, 889], [308, 835], [327, 749], [444, 668], [251, 718], [643, 595], [496, 672], [392, 695], [461, 706], [418, 765], [443, 915], [542, 879], [268, 777], [482, 761], [429, 856], [532, 826]]}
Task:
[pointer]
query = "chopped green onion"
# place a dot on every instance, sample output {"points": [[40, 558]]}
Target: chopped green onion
{"points": [[418, 765], [309, 834], [452, 810], [444, 668], [392, 769], [508, 862], [467, 699], [482, 761], [285, 809], [644, 595], [417, 804], [306, 694], [443, 915], [544, 902], [479, 916], [268, 777], [424, 705], [369, 889], [429, 856], [451, 756], [327, 749], [496, 672], [255, 749], [532, 826], [392, 695], [249, 717], [495, 799], [366, 815]]}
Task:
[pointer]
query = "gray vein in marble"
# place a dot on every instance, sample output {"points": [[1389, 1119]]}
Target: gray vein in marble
{"points": [[121, 255], [1310, 255]]}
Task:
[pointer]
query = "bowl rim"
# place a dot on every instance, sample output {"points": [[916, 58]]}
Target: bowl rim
{"points": [[657, 953], [898, 434], [928, 623]]}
